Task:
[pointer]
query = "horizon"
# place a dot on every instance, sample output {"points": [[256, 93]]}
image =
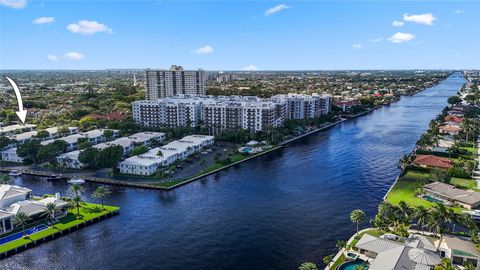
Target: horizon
{"points": [[239, 36]]}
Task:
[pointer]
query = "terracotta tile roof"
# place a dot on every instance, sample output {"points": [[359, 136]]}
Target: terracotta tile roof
{"points": [[433, 161], [449, 128], [452, 118]]}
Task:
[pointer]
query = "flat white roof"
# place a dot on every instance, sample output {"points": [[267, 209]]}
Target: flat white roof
{"points": [[123, 142], [15, 127], [145, 136], [68, 139]]}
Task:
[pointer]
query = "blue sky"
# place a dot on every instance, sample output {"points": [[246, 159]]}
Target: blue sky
{"points": [[234, 35]]}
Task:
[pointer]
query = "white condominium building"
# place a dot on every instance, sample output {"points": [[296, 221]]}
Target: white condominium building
{"points": [[228, 112], [167, 83], [148, 163], [305, 106]]}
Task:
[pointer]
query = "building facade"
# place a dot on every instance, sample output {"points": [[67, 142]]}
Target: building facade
{"points": [[175, 81], [228, 112]]}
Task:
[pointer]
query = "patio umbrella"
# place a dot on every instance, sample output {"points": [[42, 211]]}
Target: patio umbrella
{"points": [[422, 256]]}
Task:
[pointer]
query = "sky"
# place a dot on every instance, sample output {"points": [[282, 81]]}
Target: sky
{"points": [[239, 35]]}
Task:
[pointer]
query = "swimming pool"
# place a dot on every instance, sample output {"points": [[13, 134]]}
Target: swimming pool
{"points": [[351, 265], [18, 235], [432, 199]]}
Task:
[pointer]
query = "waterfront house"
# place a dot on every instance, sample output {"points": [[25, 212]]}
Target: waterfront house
{"points": [[449, 129], [452, 119], [430, 161], [466, 198], [10, 194], [388, 254], [6, 221], [459, 249]]}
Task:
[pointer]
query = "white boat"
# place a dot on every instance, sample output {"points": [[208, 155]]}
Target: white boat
{"points": [[14, 173], [76, 181]]}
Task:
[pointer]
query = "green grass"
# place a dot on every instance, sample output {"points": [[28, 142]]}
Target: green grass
{"points": [[87, 212], [215, 166], [339, 261], [464, 183]]}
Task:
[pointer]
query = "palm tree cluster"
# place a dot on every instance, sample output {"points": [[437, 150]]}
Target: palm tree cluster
{"points": [[437, 219]]}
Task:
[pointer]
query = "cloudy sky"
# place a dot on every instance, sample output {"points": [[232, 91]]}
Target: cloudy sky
{"points": [[234, 35]]}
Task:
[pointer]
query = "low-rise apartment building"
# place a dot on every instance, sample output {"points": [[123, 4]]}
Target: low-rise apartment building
{"points": [[148, 163]]}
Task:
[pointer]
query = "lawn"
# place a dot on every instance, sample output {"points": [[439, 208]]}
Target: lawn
{"points": [[405, 191], [464, 183], [88, 211], [213, 167]]}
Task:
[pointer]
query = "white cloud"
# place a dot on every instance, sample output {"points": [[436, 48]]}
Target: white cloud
{"points": [[458, 12], [73, 56], [426, 18], [44, 20], [251, 68], [376, 39], [86, 27], [398, 23], [14, 3], [52, 57], [400, 37], [204, 50], [275, 9], [357, 45]]}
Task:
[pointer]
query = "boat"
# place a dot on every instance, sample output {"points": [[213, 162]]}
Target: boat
{"points": [[54, 178], [76, 181], [14, 173]]}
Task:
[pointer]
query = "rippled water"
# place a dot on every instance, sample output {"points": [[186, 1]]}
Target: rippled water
{"points": [[273, 212]]}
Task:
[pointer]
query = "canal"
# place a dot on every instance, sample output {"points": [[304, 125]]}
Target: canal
{"points": [[273, 212]]}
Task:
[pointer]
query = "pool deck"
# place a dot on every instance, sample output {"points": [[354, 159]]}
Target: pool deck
{"points": [[343, 250]]}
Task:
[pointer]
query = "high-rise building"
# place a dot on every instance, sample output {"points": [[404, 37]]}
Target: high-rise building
{"points": [[175, 81]]}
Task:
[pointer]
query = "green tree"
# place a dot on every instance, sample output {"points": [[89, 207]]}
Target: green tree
{"points": [[42, 134], [469, 266], [308, 266], [108, 134], [403, 162], [138, 150], [5, 179], [75, 202], [421, 215], [453, 100], [357, 216], [50, 211], [76, 189], [63, 131], [83, 143], [50, 151], [445, 265], [101, 193], [28, 151], [20, 220], [4, 142], [340, 244], [439, 175], [88, 156]]}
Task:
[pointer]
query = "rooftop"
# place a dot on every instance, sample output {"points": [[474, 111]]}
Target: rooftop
{"points": [[449, 191]]}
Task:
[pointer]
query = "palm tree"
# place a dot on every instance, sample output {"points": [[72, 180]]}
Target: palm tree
{"points": [[445, 265], [75, 201], [309, 266], [21, 219], [4, 179], [403, 162], [340, 244], [440, 213], [421, 215], [101, 193], [76, 189], [327, 260], [469, 266], [50, 211], [357, 216]]}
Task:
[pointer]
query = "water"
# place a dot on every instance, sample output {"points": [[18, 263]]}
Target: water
{"points": [[18, 235], [273, 212]]}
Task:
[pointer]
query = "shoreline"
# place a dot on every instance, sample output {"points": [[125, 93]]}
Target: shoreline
{"points": [[151, 185]]}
